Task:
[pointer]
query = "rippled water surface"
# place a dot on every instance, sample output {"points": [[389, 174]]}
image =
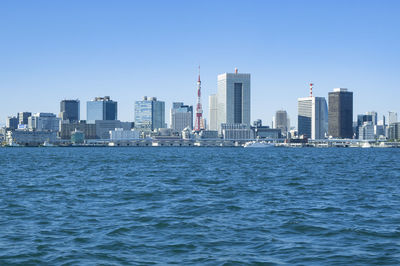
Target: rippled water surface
{"points": [[199, 206]]}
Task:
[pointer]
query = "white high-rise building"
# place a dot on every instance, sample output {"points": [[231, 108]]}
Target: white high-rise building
{"points": [[233, 99], [213, 108], [312, 117], [392, 117]]}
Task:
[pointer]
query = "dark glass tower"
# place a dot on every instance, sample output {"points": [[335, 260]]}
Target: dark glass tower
{"points": [[101, 108], [70, 110], [341, 113]]}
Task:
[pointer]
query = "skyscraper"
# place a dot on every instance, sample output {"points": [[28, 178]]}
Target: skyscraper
{"points": [[23, 117], [181, 116], [101, 108], [233, 99], [374, 116], [341, 113], [392, 117], [281, 121], [12, 122], [213, 108], [149, 114], [70, 110], [312, 117]]}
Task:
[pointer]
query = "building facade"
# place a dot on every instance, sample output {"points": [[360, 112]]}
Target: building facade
{"points": [[236, 132], [312, 117], [341, 113], [23, 117], [70, 110], [394, 131], [101, 108], [119, 134], [281, 121], [233, 99], [366, 131], [12, 123], [149, 114], [88, 130], [31, 138], [181, 116], [44, 122], [213, 110], [392, 117]]}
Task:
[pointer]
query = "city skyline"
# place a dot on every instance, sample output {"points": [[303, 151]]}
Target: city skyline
{"points": [[105, 50]]}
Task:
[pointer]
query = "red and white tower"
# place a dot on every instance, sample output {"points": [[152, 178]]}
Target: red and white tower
{"points": [[199, 123], [311, 87]]}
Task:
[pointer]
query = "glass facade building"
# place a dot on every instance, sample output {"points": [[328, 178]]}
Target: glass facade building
{"points": [[101, 108], [149, 114], [233, 99], [70, 110], [341, 113], [23, 117], [181, 116], [312, 117]]}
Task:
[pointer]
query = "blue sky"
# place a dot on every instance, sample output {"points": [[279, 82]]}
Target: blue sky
{"points": [[54, 50]]}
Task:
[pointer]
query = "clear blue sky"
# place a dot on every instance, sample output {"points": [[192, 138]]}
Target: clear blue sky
{"points": [[54, 50]]}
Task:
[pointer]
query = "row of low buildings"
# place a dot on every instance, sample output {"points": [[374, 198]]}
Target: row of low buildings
{"points": [[229, 119]]}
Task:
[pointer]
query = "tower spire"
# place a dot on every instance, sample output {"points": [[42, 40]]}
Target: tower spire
{"points": [[199, 124]]}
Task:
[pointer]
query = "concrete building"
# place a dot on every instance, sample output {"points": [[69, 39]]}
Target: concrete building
{"points": [[361, 119], [30, 138], [341, 113], [44, 122], [312, 117], [236, 132], [103, 127], [281, 121], [70, 110], [23, 117], [366, 131], [374, 117], [392, 117], [12, 123], [213, 110], [149, 114], [233, 98], [265, 132], [181, 116], [394, 131], [119, 134], [101, 108], [208, 134], [88, 130]]}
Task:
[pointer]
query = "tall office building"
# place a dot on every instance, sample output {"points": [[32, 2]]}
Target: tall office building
{"points": [[392, 117], [101, 108], [213, 109], [181, 116], [12, 122], [312, 117], [394, 131], [374, 116], [44, 122], [70, 110], [149, 114], [341, 113], [23, 117], [281, 121], [233, 99]]}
